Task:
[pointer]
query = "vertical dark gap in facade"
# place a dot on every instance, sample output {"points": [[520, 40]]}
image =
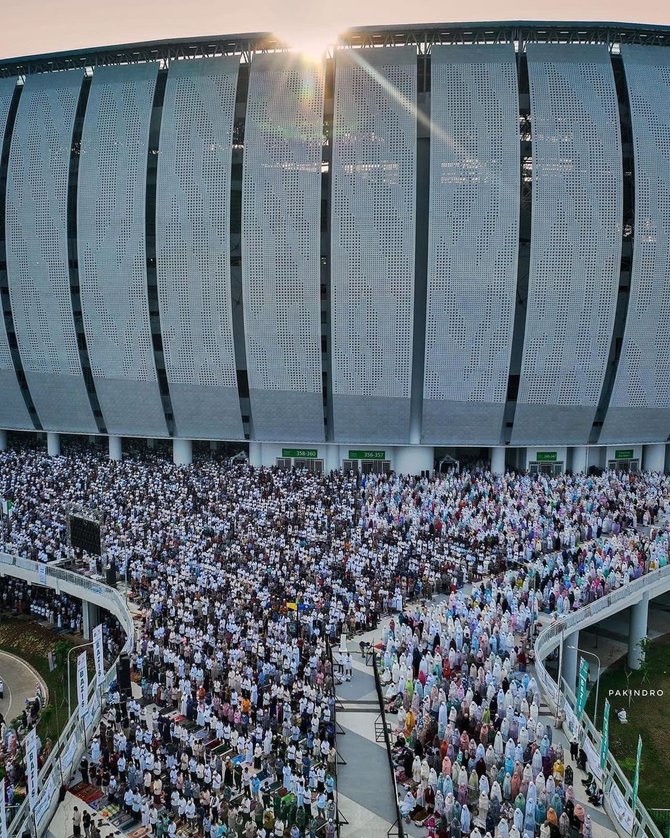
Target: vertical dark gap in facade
{"points": [[627, 227], [325, 232], [4, 282], [237, 302], [73, 261], [422, 210], [523, 264], [150, 244]]}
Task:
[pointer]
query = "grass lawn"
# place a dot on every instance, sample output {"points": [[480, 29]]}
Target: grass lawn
{"points": [[647, 716], [32, 643]]}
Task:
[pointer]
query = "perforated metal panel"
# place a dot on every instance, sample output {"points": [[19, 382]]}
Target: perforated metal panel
{"points": [[372, 242], [111, 242], [37, 251], [575, 242], [281, 202], [193, 247], [639, 408], [473, 241], [13, 412]]}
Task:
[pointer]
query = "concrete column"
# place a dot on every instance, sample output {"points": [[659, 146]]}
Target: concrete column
{"points": [[182, 452], [579, 459], [90, 618], [151, 443], [637, 631], [653, 457], [53, 445], [413, 459], [255, 454], [498, 460], [3, 440], [115, 448], [332, 458], [213, 445], [570, 655]]}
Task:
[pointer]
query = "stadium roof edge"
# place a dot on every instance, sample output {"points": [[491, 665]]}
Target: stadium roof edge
{"points": [[426, 34]]}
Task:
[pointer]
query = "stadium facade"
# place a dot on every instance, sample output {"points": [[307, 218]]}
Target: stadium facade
{"points": [[438, 237]]}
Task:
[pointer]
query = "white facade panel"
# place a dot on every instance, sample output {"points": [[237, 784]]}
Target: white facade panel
{"points": [[13, 411], [575, 251], [473, 241], [373, 195], [37, 250], [193, 247], [639, 408], [111, 221], [281, 266]]}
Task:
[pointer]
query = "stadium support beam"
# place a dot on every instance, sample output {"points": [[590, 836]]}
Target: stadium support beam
{"points": [[413, 459], [332, 458], [498, 460], [115, 448], [182, 452], [637, 631], [570, 655], [579, 459], [3, 440], [653, 457], [255, 454], [53, 444], [91, 618]]}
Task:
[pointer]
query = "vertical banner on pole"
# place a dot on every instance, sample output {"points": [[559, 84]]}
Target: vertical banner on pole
{"points": [[3, 810], [604, 742], [582, 686], [98, 654], [82, 684], [636, 778], [32, 767]]}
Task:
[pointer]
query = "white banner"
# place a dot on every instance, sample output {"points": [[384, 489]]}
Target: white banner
{"points": [[571, 719], [67, 758], [32, 770], [42, 569], [99, 655], [91, 710], [593, 758], [82, 684], [3, 810], [44, 802], [622, 811]]}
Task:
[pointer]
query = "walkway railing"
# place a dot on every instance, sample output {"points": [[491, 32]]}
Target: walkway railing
{"points": [[68, 750], [617, 789], [397, 829]]}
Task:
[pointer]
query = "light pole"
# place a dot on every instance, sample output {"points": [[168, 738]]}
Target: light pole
{"points": [[69, 682], [593, 654]]}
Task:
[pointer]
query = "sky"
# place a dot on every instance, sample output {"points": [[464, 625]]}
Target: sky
{"points": [[39, 26]]}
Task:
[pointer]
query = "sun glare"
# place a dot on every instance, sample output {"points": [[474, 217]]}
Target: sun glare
{"points": [[312, 43]]}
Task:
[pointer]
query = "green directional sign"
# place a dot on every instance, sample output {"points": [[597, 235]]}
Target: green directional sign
{"points": [[304, 453], [546, 457], [367, 455], [624, 454], [636, 777], [582, 687], [604, 742]]}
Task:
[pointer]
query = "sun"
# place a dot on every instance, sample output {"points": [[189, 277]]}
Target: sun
{"points": [[311, 42]]}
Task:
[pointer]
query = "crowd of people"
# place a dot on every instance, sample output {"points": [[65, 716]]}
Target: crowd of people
{"points": [[245, 576], [471, 752]]}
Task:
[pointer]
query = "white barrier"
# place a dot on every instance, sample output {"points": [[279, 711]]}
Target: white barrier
{"points": [[71, 744]]}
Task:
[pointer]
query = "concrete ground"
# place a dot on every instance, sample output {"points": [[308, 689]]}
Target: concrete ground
{"points": [[20, 681]]}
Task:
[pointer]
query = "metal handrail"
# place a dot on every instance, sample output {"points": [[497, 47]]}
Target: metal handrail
{"points": [[59, 767], [618, 791]]}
